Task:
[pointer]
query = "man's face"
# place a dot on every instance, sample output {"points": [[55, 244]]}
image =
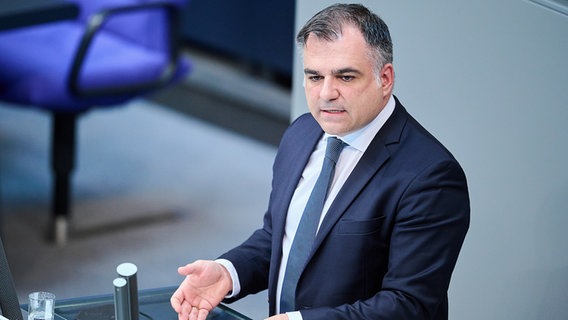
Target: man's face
{"points": [[342, 89]]}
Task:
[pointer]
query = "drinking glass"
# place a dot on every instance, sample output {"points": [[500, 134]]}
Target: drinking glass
{"points": [[41, 306]]}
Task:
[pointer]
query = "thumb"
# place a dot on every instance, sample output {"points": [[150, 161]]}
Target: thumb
{"points": [[185, 270]]}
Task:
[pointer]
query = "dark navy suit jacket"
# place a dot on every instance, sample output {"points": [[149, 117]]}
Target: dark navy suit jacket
{"points": [[390, 240]]}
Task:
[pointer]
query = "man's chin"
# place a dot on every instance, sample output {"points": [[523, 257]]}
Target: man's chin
{"points": [[334, 130]]}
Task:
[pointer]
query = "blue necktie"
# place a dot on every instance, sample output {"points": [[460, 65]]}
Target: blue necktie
{"points": [[306, 232]]}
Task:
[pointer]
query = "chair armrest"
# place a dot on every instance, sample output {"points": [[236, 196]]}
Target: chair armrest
{"points": [[95, 24]]}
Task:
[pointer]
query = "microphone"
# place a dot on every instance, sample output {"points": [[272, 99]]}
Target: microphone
{"points": [[128, 272], [121, 303]]}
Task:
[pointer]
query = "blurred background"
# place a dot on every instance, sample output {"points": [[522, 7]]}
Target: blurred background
{"points": [[185, 173]]}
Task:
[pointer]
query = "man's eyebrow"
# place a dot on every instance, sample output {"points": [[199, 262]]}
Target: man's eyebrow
{"points": [[335, 72], [346, 70], [310, 71]]}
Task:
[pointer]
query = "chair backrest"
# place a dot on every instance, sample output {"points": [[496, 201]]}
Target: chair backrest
{"points": [[149, 24], [115, 51], [140, 27], [9, 304]]}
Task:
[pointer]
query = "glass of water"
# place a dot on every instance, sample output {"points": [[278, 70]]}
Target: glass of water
{"points": [[41, 306]]}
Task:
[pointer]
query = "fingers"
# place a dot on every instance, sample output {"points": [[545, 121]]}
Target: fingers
{"points": [[197, 314], [176, 300], [181, 305], [203, 314], [185, 311], [193, 315]]}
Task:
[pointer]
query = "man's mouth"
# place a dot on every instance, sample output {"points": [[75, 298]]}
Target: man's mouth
{"points": [[333, 111]]}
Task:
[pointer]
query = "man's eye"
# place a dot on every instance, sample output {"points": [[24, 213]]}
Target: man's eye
{"points": [[315, 78], [347, 78]]}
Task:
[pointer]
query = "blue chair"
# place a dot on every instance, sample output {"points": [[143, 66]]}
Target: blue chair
{"points": [[116, 50]]}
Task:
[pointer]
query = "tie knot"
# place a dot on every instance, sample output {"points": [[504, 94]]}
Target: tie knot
{"points": [[333, 149]]}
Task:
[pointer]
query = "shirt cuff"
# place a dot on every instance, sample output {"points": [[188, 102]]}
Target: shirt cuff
{"points": [[294, 315], [234, 277]]}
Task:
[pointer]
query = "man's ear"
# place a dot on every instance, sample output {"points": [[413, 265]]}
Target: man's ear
{"points": [[387, 79]]}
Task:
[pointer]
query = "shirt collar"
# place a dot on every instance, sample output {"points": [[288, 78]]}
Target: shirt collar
{"points": [[361, 138]]}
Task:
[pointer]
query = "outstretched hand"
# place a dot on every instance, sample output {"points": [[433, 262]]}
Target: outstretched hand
{"points": [[205, 285]]}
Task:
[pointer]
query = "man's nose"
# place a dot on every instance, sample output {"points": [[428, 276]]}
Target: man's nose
{"points": [[329, 90]]}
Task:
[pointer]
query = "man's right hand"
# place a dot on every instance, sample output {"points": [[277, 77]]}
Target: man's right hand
{"points": [[205, 285]]}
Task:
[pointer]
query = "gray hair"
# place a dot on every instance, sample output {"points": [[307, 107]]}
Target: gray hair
{"points": [[327, 25]]}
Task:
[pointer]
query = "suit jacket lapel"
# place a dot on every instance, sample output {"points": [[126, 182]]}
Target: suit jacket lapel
{"points": [[295, 151], [372, 160], [297, 158]]}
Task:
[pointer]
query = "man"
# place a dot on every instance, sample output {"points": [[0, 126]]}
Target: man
{"points": [[396, 213]]}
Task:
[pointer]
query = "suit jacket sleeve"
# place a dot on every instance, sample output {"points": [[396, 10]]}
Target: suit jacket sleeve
{"points": [[252, 261]]}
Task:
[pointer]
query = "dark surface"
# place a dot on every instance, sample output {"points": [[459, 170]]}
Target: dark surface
{"points": [[22, 13], [256, 31]]}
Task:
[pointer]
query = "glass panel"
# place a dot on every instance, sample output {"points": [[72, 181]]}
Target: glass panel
{"points": [[153, 304]]}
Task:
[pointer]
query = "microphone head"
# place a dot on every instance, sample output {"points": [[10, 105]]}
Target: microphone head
{"points": [[119, 282], [126, 269]]}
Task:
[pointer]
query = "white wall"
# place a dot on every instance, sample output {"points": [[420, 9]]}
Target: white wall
{"points": [[490, 80]]}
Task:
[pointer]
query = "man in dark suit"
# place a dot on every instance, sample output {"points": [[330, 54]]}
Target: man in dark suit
{"points": [[396, 213]]}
